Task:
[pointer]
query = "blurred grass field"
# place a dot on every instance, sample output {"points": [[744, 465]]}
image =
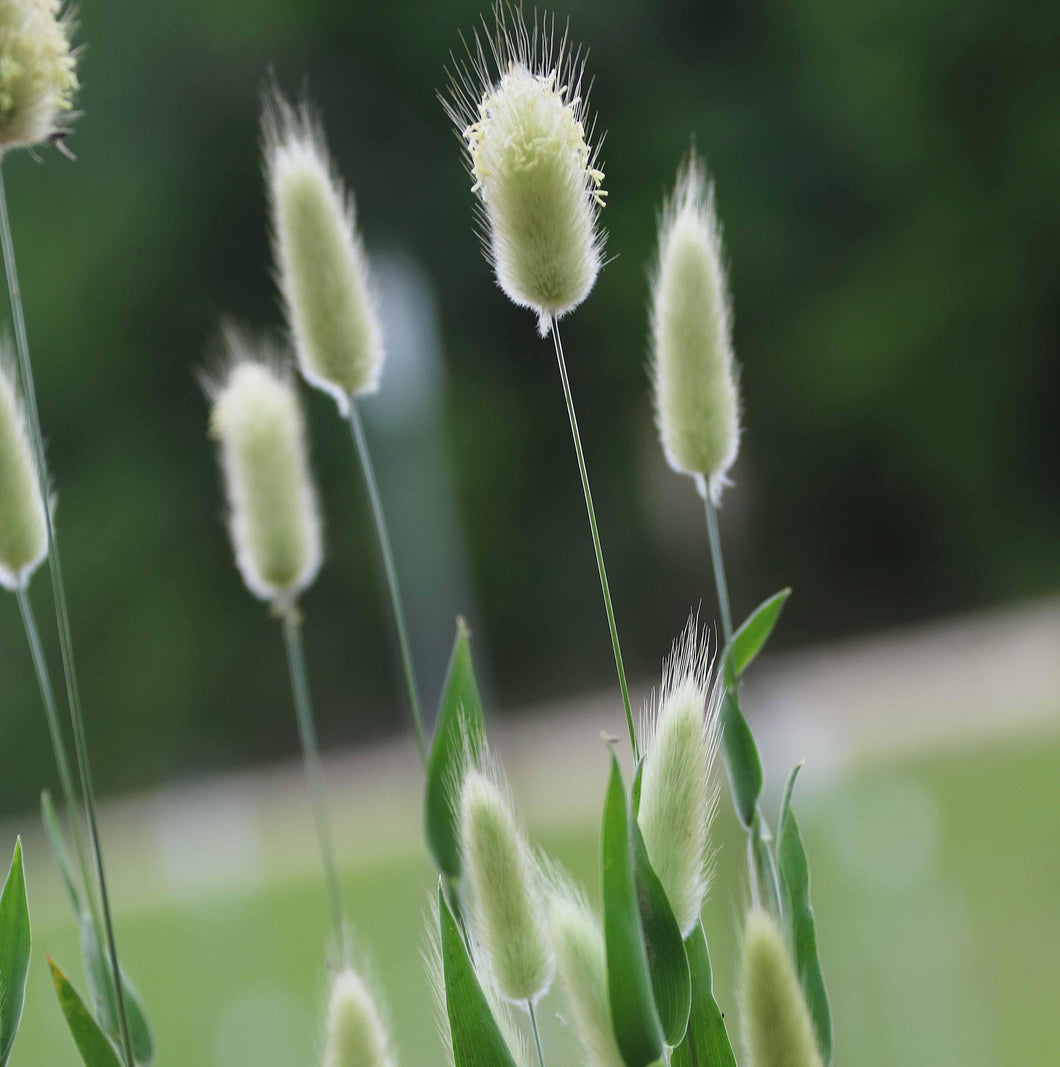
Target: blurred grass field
{"points": [[936, 881]]}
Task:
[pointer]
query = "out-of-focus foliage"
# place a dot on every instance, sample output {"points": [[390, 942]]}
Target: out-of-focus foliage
{"points": [[886, 176]]}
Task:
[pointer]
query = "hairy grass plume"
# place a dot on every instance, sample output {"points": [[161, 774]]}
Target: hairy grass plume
{"points": [[273, 516], [321, 265], [777, 1028], [519, 106], [23, 526], [697, 402], [678, 797], [355, 1035]]}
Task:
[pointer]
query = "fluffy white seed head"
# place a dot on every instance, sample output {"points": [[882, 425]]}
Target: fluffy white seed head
{"points": [[23, 528], [679, 796], [321, 265], [356, 1035], [507, 910], [697, 403], [273, 516], [38, 76], [581, 963], [776, 1023], [520, 109]]}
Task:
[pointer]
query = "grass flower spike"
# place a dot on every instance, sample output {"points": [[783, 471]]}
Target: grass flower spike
{"points": [[777, 1028], [506, 898], [523, 118], [274, 521], [697, 404], [677, 798], [38, 76], [23, 529], [581, 962], [356, 1036], [321, 265]]}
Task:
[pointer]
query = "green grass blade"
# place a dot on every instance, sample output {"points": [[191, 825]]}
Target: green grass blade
{"points": [[62, 857], [751, 637], [667, 962], [92, 1044], [794, 873], [634, 1016], [15, 942], [460, 725], [706, 1043], [741, 758], [477, 1040]]}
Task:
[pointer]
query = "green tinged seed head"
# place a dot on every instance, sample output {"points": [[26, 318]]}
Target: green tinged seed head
{"points": [[697, 403], [321, 264], [523, 119], [356, 1036], [581, 962], [777, 1029], [678, 798], [274, 521], [23, 529], [506, 893], [38, 75]]}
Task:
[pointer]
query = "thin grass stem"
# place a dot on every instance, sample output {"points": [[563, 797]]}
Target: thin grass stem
{"points": [[292, 633], [397, 605], [61, 613], [605, 588], [537, 1034]]}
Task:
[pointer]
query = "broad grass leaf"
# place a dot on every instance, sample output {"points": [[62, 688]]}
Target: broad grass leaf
{"points": [[706, 1043], [741, 758], [477, 1040], [634, 1016], [14, 952], [460, 725], [794, 874], [667, 963], [750, 638], [92, 1043]]}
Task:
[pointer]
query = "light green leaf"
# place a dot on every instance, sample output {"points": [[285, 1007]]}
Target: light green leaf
{"points": [[794, 873], [750, 638], [741, 758], [476, 1038], [706, 1043], [460, 726], [14, 952], [62, 857], [634, 1016], [93, 1045], [667, 963]]}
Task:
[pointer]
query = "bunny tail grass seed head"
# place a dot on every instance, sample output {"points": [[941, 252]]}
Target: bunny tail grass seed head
{"points": [[678, 796], [355, 1033], [38, 75], [519, 106], [23, 526], [274, 520], [581, 963], [777, 1028], [506, 892], [697, 403], [321, 265]]}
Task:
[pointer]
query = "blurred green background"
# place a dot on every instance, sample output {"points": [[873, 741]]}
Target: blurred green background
{"points": [[887, 177]]}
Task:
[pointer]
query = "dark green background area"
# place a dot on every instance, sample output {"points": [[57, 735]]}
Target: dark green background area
{"points": [[887, 176]]}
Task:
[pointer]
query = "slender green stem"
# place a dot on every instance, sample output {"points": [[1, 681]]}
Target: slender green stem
{"points": [[62, 761], [561, 361], [761, 862], [397, 605], [61, 613], [292, 633], [537, 1035]]}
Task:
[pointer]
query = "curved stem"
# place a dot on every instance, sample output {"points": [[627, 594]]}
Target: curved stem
{"points": [[292, 633], [396, 604], [605, 588], [61, 613], [537, 1035], [62, 762]]}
